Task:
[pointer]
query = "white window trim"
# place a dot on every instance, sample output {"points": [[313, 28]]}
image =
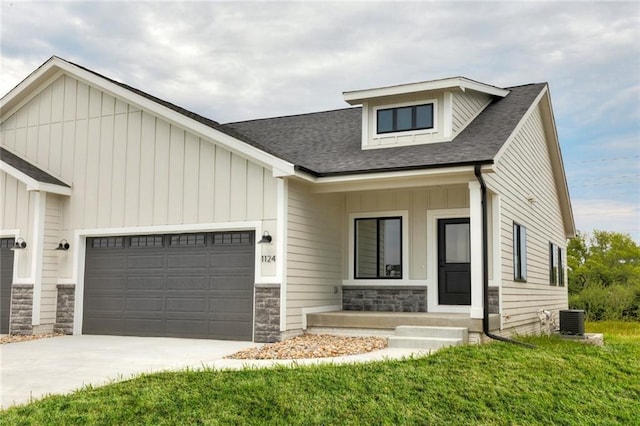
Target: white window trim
{"points": [[434, 129], [351, 281], [432, 259]]}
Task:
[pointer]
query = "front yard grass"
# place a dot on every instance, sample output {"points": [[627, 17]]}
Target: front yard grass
{"points": [[560, 382]]}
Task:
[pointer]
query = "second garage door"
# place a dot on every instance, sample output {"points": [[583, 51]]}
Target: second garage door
{"points": [[176, 285]]}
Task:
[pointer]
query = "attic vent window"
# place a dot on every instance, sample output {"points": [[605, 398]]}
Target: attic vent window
{"points": [[406, 118]]}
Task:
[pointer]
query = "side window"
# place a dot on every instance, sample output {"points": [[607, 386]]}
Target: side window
{"points": [[519, 252], [553, 264], [378, 248]]}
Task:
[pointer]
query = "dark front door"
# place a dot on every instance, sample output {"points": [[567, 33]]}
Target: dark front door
{"points": [[454, 262], [6, 279]]}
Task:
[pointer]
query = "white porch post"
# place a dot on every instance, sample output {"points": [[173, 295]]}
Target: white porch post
{"points": [[475, 219]]}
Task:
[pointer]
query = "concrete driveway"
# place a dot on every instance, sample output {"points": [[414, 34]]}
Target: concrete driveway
{"points": [[33, 369]]}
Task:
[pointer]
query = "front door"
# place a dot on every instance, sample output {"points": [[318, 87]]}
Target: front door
{"points": [[454, 262]]}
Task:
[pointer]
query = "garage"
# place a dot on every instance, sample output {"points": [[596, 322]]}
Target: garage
{"points": [[6, 279], [196, 285]]}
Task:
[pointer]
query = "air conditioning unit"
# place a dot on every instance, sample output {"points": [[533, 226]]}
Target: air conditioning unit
{"points": [[572, 322]]}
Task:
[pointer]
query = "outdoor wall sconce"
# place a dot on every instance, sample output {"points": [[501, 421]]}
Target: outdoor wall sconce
{"points": [[63, 245], [20, 244], [266, 238]]}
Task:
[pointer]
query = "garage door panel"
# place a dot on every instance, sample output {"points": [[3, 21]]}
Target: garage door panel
{"points": [[170, 285], [228, 282], [140, 304], [229, 329], [146, 283], [187, 305], [147, 261], [144, 326], [188, 259], [188, 283]]}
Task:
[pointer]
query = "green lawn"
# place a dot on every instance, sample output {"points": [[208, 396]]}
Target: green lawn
{"points": [[560, 382]]}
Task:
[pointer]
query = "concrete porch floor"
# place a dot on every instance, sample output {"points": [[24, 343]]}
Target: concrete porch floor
{"points": [[391, 320]]}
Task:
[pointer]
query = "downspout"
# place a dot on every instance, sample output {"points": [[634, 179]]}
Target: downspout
{"points": [[485, 265]]}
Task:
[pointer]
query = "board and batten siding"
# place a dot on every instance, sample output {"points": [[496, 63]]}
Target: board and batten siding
{"points": [[16, 213], [315, 237], [416, 202], [524, 170], [465, 107], [130, 168]]}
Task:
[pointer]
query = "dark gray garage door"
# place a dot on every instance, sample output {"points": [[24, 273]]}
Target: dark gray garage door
{"points": [[6, 279], [187, 285]]}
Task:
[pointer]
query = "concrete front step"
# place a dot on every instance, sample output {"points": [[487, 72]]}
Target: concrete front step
{"points": [[427, 343], [461, 333]]}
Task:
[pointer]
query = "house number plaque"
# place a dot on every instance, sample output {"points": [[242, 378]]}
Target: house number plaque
{"points": [[268, 259]]}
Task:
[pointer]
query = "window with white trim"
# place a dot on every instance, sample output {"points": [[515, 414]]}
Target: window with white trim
{"points": [[378, 248], [556, 266], [519, 252], [405, 118]]}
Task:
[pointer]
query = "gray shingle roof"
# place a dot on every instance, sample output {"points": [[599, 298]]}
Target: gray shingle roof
{"points": [[329, 143], [28, 169]]}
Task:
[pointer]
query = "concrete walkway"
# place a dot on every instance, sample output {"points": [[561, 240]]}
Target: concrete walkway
{"points": [[33, 369]]}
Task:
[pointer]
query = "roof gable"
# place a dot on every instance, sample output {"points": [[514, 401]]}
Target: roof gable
{"points": [[202, 126]]}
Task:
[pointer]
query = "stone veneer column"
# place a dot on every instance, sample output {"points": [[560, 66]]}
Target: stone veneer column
{"points": [[21, 309], [65, 309], [267, 313]]}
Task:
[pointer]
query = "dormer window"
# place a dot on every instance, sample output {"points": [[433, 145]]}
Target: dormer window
{"points": [[405, 118]]}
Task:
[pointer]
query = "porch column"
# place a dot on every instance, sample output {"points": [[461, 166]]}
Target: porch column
{"points": [[475, 224]]}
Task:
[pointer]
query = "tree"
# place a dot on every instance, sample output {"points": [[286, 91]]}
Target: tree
{"points": [[604, 275]]}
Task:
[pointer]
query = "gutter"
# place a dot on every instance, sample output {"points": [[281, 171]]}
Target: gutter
{"points": [[477, 169]]}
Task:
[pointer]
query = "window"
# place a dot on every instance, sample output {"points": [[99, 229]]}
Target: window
{"points": [[556, 266], [378, 248], [553, 264], [402, 119], [519, 252]]}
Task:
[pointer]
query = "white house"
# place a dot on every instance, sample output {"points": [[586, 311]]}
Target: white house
{"points": [[432, 203]]}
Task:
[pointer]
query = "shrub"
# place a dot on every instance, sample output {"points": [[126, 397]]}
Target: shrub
{"points": [[614, 302]]}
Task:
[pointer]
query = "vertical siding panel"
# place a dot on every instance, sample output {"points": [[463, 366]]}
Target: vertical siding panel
{"points": [[368, 201], [119, 171], [132, 174], [105, 174], [95, 102], [108, 104], [386, 200], [456, 197], [238, 196], [68, 149], [121, 107], [82, 104], [270, 185], [92, 173], [161, 174], [9, 132], [176, 175], [55, 149], [437, 199], [57, 100], [33, 112], [80, 172], [50, 260], [32, 143], [70, 98], [254, 191], [207, 179], [9, 206], [147, 169], [221, 184], [191, 174], [44, 135], [44, 107], [21, 141]]}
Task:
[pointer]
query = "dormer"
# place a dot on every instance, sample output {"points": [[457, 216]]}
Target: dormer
{"points": [[420, 113]]}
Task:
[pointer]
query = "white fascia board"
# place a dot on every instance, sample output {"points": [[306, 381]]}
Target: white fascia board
{"points": [[31, 183], [356, 97], [278, 166], [441, 175]]}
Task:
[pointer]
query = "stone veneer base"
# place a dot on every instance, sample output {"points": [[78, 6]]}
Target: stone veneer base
{"points": [[267, 314], [21, 309]]}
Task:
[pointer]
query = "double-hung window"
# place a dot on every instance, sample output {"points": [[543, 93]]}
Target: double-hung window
{"points": [[406, 118], [556, 267], [378, 248], [519, 252]]}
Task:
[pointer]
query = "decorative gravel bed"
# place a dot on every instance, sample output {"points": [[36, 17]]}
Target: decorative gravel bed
{"points": [[313, 346], [14, 338]]}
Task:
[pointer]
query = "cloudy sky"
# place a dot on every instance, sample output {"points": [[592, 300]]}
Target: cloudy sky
{"points": [[243, 60]]}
